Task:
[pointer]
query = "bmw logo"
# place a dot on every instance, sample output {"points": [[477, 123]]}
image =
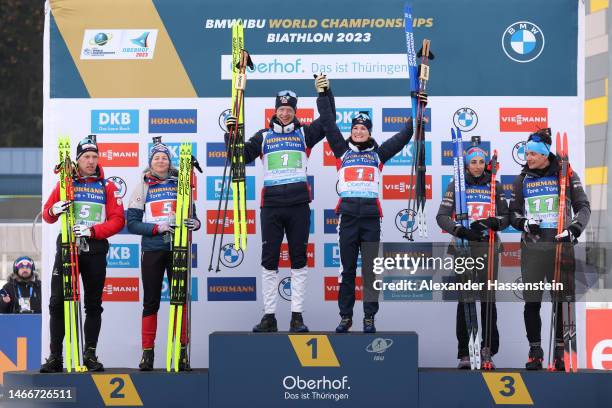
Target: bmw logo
{"points": [[405, 220], [121, 186], [518, 293], [222, 118], [230, 257], [518, 153], [101, 39], [465, 119], [284, 288], [523, 41]]}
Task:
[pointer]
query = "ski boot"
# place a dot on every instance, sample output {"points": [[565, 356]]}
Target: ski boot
{"points": [[536, 356], [345, 324], [464, 363], [558, 360], [267, 324], [486, 359], [90, 360], [54, 364], [183, 360], [368, 324], [146, 362], [296, 325]]}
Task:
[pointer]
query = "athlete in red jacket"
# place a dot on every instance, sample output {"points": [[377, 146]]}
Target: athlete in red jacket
{"points": [[98, 215]]}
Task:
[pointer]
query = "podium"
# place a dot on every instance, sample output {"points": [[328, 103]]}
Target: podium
{"points": [[313, 369], [318, 370]]}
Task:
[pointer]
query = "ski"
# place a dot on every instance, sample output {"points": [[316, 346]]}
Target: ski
{"points": [[419, 77], [493, 168], [568, 310], [73, 328], [181, 261], [234, 153], [461, 216]]}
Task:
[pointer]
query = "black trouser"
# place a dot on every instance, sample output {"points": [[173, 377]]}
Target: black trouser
{"points": [[537, 264], [486, 299], [276, 222], [353, 232], [154, 264], [92, 267]]}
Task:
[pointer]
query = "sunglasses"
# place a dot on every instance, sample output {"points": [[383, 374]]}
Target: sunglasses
{"points": [[362, 115], [287, 92]]}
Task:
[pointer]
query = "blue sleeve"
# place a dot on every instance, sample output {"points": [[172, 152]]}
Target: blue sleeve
{"points": [[135, 224]]}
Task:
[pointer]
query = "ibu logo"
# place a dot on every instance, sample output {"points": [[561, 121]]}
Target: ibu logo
{"points": [[123, 256], [344, 117], [114, 121], [523, 41]]}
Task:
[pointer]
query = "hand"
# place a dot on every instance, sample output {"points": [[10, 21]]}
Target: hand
{"points": [[230, 122], [321, 83], [164, 227], [532, 226], [60, 207], [81, 231], [491, 222], [421, 96], [192, 223], [6, 299], [570, 234], [469, 234]]}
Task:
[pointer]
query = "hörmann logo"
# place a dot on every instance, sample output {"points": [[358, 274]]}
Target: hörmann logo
{"points": [[233, 288], [522, 119], [173, 121], [394, 119], [216, 152], [118, 154]]}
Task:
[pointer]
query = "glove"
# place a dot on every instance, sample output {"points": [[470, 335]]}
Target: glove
{"points": [[60, 207], [230, 122], [421, 96], [192, 223], [321, 83], [570, 234], [532, 226], [486, 223], [469, 234], [164, 227], [81, 231]]}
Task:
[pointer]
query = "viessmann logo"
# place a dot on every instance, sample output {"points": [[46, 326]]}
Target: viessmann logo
{"points": [[522, 119], [399, 187], [284, 260], [121, 290], [305, 116], [332, 288], [211, 221], [118, 154]]}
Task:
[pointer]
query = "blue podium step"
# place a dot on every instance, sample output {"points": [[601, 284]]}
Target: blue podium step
{"points": [[113, 387], [316, 370], [313, 369]]}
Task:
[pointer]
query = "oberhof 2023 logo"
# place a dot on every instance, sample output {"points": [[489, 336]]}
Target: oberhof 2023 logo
{"points": [[523, 41]]}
